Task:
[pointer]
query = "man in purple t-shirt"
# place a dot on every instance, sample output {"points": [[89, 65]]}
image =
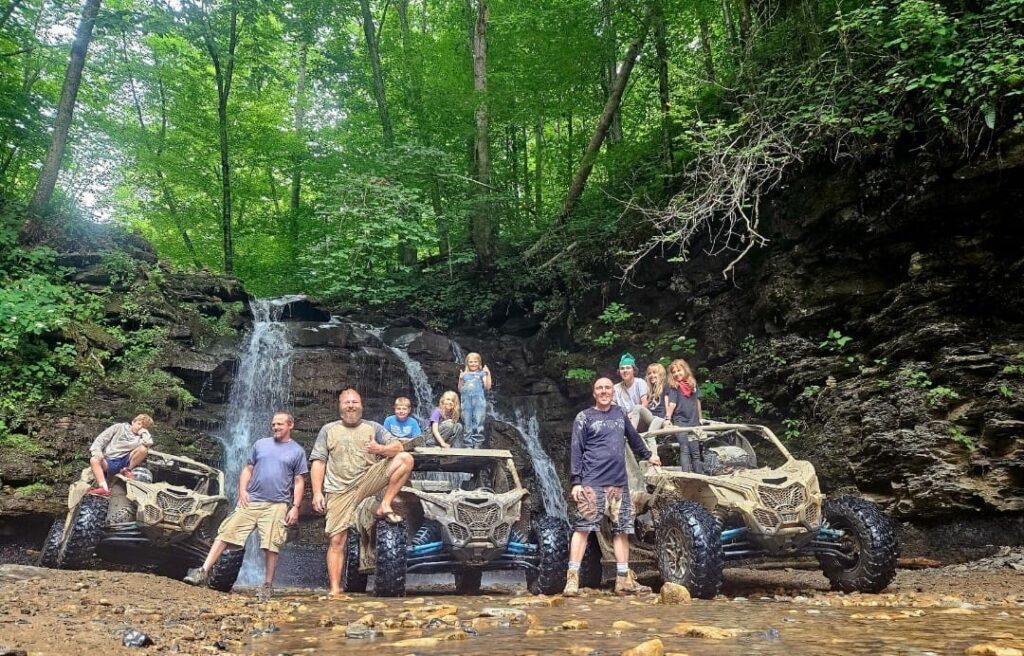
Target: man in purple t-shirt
{"points": [[272, 477], [599, 484]]}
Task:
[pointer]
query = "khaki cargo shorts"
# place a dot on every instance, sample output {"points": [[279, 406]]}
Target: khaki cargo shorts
{"points": [[266, 517], [341, 506], [599, 502]]}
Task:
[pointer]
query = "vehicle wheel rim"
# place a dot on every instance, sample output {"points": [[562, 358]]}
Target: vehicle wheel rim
{"points": [[675, 553], [852, 546]]}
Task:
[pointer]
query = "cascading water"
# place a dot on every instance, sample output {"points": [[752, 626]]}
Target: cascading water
{"points": [[260, 389], [420, 384]]}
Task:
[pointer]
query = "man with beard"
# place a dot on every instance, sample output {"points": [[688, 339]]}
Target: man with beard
{"points": [[352, 460]]}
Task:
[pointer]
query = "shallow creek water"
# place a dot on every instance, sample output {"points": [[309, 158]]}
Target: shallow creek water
{"points": [[762, 625]]}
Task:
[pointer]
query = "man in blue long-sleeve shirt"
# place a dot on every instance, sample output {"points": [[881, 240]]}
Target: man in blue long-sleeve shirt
{"points": [[599, 484]]}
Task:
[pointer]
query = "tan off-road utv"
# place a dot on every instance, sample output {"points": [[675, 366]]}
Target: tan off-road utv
{"points": [[167, 517], [464, 511], [754, 501]]}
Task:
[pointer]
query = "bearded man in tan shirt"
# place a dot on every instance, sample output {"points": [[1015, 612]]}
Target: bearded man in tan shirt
{"points": [[354, 459]]}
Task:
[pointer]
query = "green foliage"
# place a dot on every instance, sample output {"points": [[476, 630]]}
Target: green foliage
{"points": [[756, 403], [34, 490], [615, 314], [709, 390], [792, 429], [914, 378], [122, 267], [20, 443], [809, 392], [938, 396], [1005, 391], [748, 345], [137, 370], [581, 375], [835, 341], [1017, 368], [960, 437], [606, 338]]}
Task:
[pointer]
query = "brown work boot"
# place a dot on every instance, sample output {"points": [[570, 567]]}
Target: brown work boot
{"points": [[572, 583], [627, 585]]}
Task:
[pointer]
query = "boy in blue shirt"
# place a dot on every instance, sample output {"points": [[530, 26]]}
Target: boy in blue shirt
{"points": [[400, 424]]}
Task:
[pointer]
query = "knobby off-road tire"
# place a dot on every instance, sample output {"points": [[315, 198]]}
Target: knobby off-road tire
{"points": [[873, 537], [225, 571], [49, 554], [83, 533], [351, 579], [591, 571], [689, 545], [389, 572], [551, 535]]}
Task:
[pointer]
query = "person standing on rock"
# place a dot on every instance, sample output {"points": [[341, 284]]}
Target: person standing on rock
{"points": [[631, 393], [600, 487], [354, 459], [272, 477], [118, 450], [474, 382]]}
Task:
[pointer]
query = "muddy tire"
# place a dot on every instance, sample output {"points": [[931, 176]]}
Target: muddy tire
{"points": [[551, 535], [871, 536], [689, 546], [83, 533], [389, 572], [351, 579], [49, 554], [225, 571], [467, 581], [591, 570]]}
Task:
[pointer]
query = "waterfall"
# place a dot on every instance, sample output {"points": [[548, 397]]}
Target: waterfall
{"points": [[260, 388], [420, 384], [527, 427]]}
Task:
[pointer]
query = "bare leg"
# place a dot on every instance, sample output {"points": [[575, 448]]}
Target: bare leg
{"points": [[398, 474], [138, 454], [271, 565], [336, 560], [578, 546], [620, 543], [98, 464], [215, 552]]}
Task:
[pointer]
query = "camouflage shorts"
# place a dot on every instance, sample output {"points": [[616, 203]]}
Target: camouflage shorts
{"points": [[611, 502]]}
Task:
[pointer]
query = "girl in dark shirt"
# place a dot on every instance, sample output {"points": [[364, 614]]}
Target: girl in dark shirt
{"points": [[683, 409]]}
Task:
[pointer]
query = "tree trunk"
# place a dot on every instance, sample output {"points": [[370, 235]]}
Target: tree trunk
{"points": [[745, 27], [611, 46], [730, 25], [538, 166], [589, 157], [512, 140], [705, 46], [65, 110], [661, 49], [527, 191], [378, 75], [300, 120], [484, 223]]}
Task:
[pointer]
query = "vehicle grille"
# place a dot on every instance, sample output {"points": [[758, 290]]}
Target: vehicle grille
{"points": [[765, 518], [501, 533], [813, 514], [173, 504], [479, 519], [785, 499], [151, 515], [459, 532]]}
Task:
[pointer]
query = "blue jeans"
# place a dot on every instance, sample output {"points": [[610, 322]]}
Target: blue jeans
{"points": [[474, 411]]}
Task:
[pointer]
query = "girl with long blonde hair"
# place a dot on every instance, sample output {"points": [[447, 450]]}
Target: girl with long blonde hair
{"points": [[656, 397], [444, 420]]}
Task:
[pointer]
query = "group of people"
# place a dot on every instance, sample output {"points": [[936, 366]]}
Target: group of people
{"points": [[354, 459]]}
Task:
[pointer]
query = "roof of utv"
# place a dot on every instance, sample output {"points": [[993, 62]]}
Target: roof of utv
{"points": [[432, 458]]}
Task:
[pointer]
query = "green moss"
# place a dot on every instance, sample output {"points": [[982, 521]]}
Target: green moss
{"points": [[34, 490]]}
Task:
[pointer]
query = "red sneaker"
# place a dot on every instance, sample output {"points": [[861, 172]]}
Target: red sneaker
{"points": [[100, 491], [127, 473]]}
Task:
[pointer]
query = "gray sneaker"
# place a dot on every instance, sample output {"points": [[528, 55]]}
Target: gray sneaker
{"points": [[197, 576], [264, 592]]}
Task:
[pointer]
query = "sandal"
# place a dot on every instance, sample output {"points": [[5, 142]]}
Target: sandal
{"points": [[391, 517]]}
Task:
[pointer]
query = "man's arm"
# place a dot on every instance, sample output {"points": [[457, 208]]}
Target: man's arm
{"points": [[101, 441], [299, 489], [579, 433], [637, 444], [384, 443], [243, 484], [317, 472], [146, 438]]}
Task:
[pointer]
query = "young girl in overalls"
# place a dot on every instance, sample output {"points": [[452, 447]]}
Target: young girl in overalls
{"points": [[474, 383], [683, 409]]}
